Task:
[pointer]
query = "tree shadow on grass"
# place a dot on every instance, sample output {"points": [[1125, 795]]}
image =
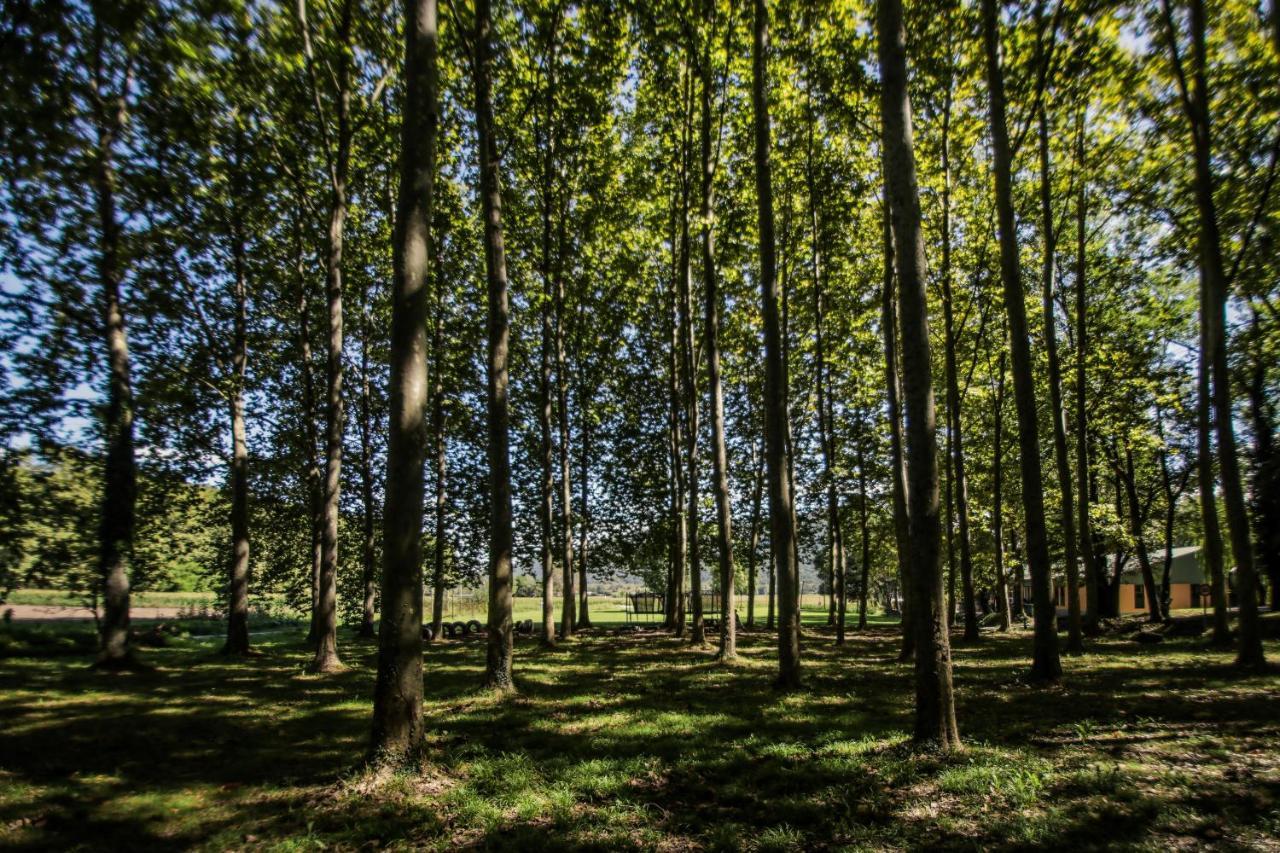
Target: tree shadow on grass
{"points": [[624, 741]]}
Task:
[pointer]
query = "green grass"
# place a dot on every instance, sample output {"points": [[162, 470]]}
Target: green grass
{"points": [[621, 741]]}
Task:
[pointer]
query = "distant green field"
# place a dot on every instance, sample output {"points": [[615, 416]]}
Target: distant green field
{"points": [[459, 606]]}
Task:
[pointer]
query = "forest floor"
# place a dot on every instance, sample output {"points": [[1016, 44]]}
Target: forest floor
{"points": [[633, 740]]}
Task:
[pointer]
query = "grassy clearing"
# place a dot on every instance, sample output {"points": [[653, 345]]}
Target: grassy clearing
{"points": [[636, 741]]}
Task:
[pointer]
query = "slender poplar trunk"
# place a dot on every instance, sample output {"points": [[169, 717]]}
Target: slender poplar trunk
{"points": [[1046, 665], [935, 723], [238, 577], [1215, 290], [1092, 571], [674, 605], [690, 383], [1057, 413], [120, 489], [782, 538], [570, 618], [441, 459], [960, 481], [547, 142], [546, 484], [326, 657], [1137, 524], [753, 539], [711, 332], [500, 637], [864, 528], [584, 458], [397, 697], [898, 474], [368, 545], [997, 506]]}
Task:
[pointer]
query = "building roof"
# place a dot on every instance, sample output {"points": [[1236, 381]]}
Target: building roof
{"points": [[1186, 567]]}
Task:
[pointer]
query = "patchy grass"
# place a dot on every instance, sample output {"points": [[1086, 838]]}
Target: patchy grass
{"points": [[623, 741]]}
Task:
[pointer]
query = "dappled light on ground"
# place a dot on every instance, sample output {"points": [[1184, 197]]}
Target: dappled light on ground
{"points": [[637, 741]]}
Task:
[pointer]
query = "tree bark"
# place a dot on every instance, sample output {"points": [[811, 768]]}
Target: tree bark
{"points": [[326, 657], [120, 490], [863, 528], [1137, 521], [238, 576], [997, 505], [546, 137], [441, 459], [584, 459], [397, 698], [368, 544], [935, 723], [782, 539], [956, 443], [1092, 571], [569, 619], [674, 604], [753, 538], [1046, 666], [690, 387], [500, 637], [1214, 294], [711, 331], [898, 474], [1057, 413]]}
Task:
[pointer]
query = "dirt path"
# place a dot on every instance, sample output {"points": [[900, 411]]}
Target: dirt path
{"points": [[70, 612]]}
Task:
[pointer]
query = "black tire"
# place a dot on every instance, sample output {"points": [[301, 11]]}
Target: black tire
{"points": [[447, 629], [460, 629], [474, 627], [427, 634]]}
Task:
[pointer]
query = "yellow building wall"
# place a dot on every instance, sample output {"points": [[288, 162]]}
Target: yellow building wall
{"points": [[1128, 598], [1179, 596]]}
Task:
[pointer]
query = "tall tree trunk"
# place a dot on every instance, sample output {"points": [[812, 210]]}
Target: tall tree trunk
{"points": [[1092, 571], [690, 383], [1045, 665], [441, 459], [584, 458], [546, 485], [997, 507], [310, 468], [826, 431], [326, 656], [546, 136], [397, 697], [368, 545], [1214, 294], [674, 604], [772, 596], [120, 489], [753, 538], [960, 483], [238, 577], [500, 637], [1057, 413], [782, 535], [863, 528], [569, 618], [935, 705], [711, 332], [898, 474], [1137, 523]]}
